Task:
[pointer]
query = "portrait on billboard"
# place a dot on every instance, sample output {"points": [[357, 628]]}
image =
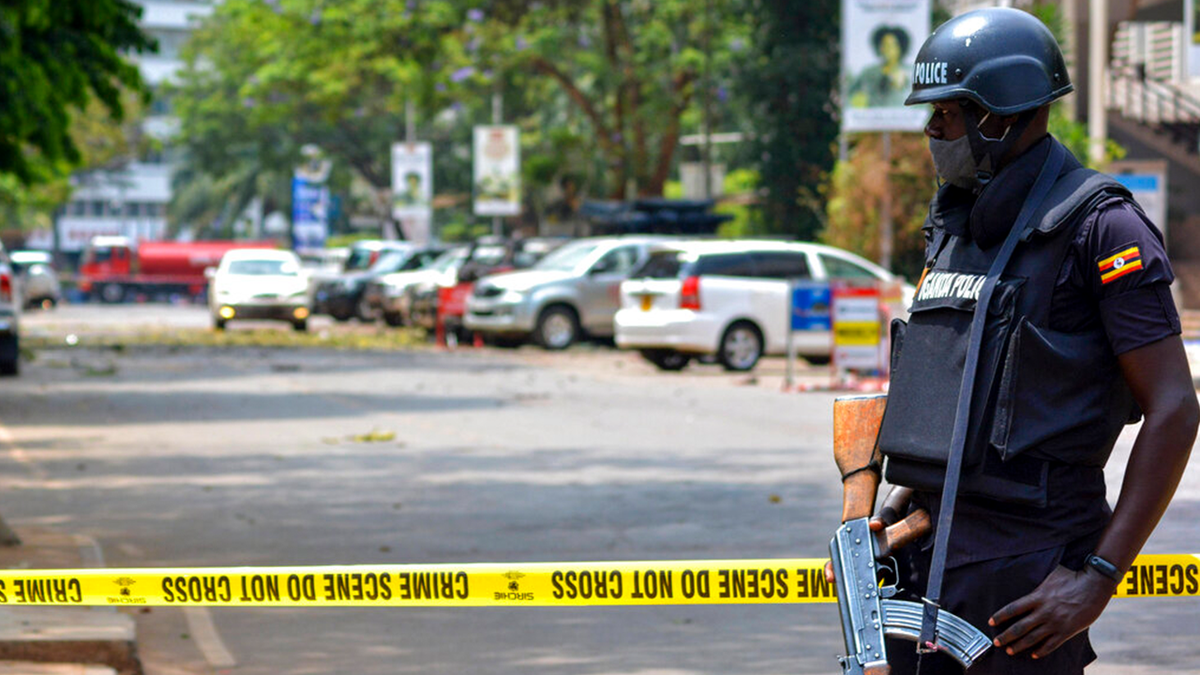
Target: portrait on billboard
{"points": [[412, 179], [879, 44], [886, 82]]}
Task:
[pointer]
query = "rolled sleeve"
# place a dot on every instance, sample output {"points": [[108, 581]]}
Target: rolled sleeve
{"points": [[1139, 317], [1124, 265]]}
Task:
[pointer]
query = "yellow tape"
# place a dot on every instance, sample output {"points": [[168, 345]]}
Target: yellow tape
{"points": [[680, 582], [1162, 576]]}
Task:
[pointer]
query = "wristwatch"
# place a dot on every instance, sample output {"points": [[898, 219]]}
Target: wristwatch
{"points": [[1103, 567]]}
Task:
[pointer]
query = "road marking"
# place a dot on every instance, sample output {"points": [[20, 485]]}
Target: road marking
{"points": [[204, 632], [19, 454], [90, 552]]}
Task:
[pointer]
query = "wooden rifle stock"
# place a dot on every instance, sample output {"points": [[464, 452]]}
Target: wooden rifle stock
{"points": [[856, 421]]}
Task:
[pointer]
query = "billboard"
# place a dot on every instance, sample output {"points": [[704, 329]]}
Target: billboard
{"points": [[880, 39], [412, 189], [1192, 24], [497, 177], [310, 201], [310, 214]]}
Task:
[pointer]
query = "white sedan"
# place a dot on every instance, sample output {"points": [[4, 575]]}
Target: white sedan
{"points": [[258, 284]]}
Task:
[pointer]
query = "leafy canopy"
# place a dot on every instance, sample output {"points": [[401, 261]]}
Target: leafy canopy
{"points": [[56, 56]]}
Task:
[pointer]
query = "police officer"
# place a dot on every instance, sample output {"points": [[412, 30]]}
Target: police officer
{"points": [[1042, 325]]}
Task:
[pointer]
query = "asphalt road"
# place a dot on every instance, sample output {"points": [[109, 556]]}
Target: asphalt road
{"points": [[194, 457]]}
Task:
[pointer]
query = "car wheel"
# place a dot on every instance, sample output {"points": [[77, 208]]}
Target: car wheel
{"points": [[363, 311], [218, 323], [667, 359], [341, 317], [557, 328], [111, 293], [741, 346], [818, 360], [300, 325], [394, 319]]}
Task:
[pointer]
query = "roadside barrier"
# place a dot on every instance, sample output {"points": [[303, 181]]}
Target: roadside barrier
{"points": [[560, 584]]}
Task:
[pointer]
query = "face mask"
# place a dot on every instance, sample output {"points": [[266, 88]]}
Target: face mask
{"points": [[955, 163]]}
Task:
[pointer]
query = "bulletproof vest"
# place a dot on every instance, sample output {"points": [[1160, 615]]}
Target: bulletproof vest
{"points": [[1041, 395]]}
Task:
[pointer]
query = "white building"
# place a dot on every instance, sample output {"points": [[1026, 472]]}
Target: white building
{"points": [[133, 201]]}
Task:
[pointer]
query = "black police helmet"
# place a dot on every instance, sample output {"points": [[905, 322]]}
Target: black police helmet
{"points": [[1006, 60]]}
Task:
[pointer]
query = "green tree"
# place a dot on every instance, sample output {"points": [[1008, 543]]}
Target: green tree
{"points": [[633, 69], [56, 56], [787, 82], [263, 79]]}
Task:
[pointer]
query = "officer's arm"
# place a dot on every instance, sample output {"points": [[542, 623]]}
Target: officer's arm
{"points": [[1068, 602]]}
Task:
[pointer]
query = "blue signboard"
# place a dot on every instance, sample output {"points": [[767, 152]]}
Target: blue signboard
{"points": [[310, 214], [811, 306]]}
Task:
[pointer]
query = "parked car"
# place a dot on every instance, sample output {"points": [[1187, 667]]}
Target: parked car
{"points": [[395, 302], [729, 299], [485, 256], [259, 284], [10, 315], [488, 255], [350, 294], [570, 293], [39, 281], [333, 263]]}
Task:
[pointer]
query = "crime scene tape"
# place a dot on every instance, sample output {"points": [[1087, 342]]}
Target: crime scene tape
{"points": [[675, 582]]}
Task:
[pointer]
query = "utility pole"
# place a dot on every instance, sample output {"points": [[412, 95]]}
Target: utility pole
{"points": [[497, 116], [410, 122], [708, 18], [1097, 63], [886, 227]]}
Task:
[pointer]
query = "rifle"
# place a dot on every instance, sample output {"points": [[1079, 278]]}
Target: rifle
{"points": [[868, 614]]}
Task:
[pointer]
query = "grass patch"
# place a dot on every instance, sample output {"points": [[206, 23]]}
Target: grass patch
{"points": [[349, 340]]}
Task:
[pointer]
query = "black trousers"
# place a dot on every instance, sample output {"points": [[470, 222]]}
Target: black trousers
{"points": [[976, 591]]}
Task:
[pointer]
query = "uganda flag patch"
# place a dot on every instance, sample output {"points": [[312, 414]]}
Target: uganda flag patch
{"points": [[1126, 261]]}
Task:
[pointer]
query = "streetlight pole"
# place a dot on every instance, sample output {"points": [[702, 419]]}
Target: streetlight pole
{"points": [[708, 186], [497, 116], [1097, 61]]}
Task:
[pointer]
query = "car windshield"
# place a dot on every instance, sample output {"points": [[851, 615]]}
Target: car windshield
{"points": [[660, 265], [360, 259], [567, 258], [263, 267], [448, 260], [390, 261], [30, 258]]}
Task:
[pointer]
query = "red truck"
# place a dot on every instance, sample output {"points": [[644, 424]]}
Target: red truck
{"points": [[115, 269]]}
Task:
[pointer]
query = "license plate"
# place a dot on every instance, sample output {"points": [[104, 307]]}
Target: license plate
{"points": [[647, 301]]}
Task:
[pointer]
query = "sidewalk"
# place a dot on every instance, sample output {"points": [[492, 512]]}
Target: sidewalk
{"points": [[62, 640]]}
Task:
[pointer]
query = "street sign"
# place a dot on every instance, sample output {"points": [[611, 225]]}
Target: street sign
{"points": [[857, 334], [811, 306]]}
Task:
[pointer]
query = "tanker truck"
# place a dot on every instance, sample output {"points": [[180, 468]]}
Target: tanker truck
{"points": [[117, 269]]}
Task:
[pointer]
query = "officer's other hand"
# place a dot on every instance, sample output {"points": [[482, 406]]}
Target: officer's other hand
{"points": [[1061, 607]]}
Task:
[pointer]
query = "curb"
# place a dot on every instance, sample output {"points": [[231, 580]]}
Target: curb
{"points": [[63, 640]]}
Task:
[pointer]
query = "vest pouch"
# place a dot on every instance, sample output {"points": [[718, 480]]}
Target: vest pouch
{"points": [[927, 372], [1062, 397]]}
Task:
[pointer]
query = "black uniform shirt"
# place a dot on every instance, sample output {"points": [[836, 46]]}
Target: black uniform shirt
{"points": [[1115, 274]]}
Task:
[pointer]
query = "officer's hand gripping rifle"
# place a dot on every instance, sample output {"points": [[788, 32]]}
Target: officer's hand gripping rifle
{"points": [[867, 613]]}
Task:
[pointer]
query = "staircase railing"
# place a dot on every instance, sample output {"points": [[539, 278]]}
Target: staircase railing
{"points": [[1155, 102]]}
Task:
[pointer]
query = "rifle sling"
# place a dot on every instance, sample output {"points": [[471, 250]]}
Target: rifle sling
{"points": [[1045, 180]]}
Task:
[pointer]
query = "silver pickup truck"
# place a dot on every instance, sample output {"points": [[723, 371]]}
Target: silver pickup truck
{"points": [[572, 292]]}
